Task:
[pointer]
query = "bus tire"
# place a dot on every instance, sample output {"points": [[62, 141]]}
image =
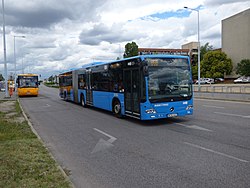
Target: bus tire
{"points": [[117, 108], [82, 101]]}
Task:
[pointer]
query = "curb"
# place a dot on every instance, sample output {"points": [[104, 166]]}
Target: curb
{"points": [[221, 99], [37, 135], [223, 96]]}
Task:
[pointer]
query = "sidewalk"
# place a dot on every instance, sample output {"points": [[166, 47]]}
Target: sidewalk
{"points": [[2, 96], [242, 97], [230, 92]]}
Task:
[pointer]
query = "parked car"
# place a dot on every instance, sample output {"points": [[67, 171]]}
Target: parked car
{"points": [[219, 79], [205, 81], [2, 86], [242, 79]]}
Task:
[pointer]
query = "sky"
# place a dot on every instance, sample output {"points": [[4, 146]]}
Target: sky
{"points": [[64, 34]]}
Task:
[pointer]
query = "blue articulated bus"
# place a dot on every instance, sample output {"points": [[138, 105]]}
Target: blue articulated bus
{"points": [[145, 87]]}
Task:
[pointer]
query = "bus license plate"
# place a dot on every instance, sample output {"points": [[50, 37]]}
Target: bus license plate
{"points": [[172, 115]]}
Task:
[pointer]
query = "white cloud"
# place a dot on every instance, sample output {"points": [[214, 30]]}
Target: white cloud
{"points": [[222, 2], [69, 33]]}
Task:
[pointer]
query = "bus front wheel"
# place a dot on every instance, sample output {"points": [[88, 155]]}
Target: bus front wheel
{"points": [[117, 108]]}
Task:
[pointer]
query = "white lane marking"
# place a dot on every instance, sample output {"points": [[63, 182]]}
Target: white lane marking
{"points": [[210, 106], [235, 115], [194, 127], [216, 152], [47, 105], [111, 140], [103, 144]]}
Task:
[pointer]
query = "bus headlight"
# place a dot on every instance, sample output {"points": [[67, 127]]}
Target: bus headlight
{"points": [[150, 111], [189, 107]]}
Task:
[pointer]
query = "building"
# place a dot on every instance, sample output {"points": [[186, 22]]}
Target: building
{"points": [[143, 51], [236, 37], [191, 46]]}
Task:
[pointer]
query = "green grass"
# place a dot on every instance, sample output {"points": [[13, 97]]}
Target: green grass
{"points": [[24, 161]]}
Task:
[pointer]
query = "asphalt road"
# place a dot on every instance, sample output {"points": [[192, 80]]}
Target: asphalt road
{"points": [[209, 149]]}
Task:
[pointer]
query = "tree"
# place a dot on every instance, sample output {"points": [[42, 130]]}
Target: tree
{"points": [[204, 49], [243, 68], [131, 49], [51, 78], [1, 77], [216, 64]]}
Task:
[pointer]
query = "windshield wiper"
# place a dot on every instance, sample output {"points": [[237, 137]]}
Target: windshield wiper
{"points": [[155, 100]]}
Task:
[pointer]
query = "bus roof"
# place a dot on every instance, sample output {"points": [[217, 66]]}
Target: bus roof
{"points": [[93, 64], [27, 74], [135, 57], [155, 56]]}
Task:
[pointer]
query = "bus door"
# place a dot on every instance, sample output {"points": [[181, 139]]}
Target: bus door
{"points": [[131, 92], [75, 85], [89, 92]]}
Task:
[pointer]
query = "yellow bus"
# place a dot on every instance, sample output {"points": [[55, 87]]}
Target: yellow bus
{"points": [[27, 85], [66, 85]]}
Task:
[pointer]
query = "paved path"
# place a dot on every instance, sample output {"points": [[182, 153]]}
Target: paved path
{"points": [[2, 96]]}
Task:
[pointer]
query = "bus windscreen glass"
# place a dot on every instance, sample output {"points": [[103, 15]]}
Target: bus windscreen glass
{"points": [[28, 81], [169, 79]]}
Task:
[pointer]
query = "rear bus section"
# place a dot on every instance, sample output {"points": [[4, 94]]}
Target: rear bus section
{"points": [[65, 86]]}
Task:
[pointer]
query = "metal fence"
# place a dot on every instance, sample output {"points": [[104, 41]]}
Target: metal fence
{"points": [[226, 88]]}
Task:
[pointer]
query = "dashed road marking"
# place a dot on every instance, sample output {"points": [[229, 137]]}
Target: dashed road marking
{"points": [[235, 115], [216, 152], [210, 106]]}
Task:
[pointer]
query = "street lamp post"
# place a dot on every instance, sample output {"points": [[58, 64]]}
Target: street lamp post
{"points": [[4, 51], [199, 53], [15, 50]]}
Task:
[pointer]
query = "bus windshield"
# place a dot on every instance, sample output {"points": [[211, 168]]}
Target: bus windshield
{"points": [[169, 79], [27, 81]]}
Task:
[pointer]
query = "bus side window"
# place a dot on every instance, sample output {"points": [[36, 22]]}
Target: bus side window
{"points": [[81, 81], [82, 84], [120, 85]]}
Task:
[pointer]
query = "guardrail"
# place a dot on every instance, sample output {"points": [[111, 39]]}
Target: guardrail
{"points": [[224, 88]]}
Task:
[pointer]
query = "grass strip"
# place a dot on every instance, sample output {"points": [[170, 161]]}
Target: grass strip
{"points": [[24, 161]]}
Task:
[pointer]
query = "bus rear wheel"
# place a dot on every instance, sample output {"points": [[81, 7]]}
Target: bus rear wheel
{"points": [[117, 109]]}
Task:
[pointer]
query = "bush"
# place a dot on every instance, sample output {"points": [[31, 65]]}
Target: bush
{"points": [[243, 68]]}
